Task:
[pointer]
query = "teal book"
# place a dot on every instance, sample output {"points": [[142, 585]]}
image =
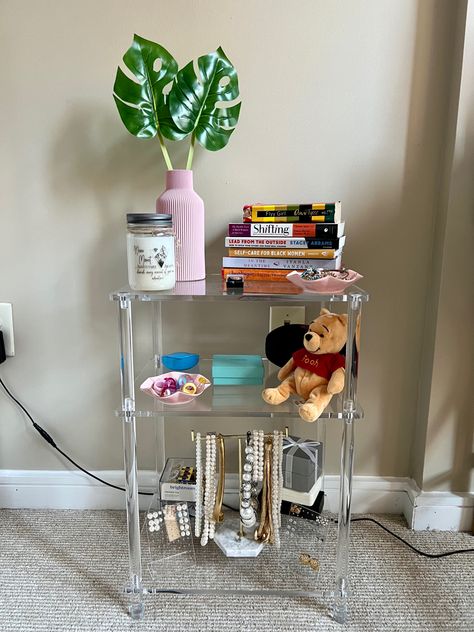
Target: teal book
{"points": [[237, 366]]}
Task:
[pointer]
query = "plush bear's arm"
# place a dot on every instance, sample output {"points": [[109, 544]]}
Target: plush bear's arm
{"points": [[285, 370], [336, 383]]}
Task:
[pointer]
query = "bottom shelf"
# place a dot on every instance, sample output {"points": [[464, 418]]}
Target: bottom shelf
{"points": [[186, 567]]}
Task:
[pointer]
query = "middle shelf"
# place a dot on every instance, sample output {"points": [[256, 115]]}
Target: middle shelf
{"points": [[229, 401]]}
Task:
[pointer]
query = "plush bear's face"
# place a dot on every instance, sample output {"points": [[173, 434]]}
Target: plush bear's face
{"points": [[327, 333]]}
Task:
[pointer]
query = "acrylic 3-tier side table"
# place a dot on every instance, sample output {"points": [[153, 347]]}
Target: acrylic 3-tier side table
{"points": [[209, 572]]}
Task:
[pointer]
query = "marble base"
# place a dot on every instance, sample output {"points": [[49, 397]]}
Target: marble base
{"points": [[231, 544]]}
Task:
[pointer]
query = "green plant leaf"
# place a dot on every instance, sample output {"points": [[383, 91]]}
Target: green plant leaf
{"points": [[141, 104], [195, 103]]}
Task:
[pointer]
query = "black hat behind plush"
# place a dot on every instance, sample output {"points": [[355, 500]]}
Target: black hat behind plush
{"points": [[282, 342]]}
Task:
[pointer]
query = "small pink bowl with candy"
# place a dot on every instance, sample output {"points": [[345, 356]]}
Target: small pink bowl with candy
{"points": [[175, 387]]}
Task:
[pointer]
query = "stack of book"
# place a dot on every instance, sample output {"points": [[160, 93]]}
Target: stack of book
{"points": [[275, 239]]}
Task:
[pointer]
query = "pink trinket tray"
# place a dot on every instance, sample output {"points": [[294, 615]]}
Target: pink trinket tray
{"points": [[155, 386], [327, 284]]}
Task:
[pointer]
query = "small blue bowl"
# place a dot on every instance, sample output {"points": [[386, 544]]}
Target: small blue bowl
{"points": [[180, 361]]}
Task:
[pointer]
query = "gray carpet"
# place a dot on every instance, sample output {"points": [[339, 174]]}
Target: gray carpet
{"points": [[63, 570]]}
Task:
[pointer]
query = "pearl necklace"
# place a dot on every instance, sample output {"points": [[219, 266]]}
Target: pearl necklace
{"points": [[258, 439], [210, 489], [198, 495], [247, 512], [277, 484]]}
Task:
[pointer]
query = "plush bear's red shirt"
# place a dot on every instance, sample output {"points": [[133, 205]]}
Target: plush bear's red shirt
{"points": [[323, 364]]}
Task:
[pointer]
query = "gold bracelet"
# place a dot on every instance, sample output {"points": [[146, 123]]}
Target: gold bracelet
{"points": [[218, 514], [264, 531]]}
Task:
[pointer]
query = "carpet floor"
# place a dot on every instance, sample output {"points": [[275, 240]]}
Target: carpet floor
{"points": [[64, 571]]}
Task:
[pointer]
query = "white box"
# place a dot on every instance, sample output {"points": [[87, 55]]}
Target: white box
{"points": [[171, 488], [303, 498]]}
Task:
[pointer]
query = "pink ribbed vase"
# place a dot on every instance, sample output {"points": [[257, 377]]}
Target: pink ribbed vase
{"points": [[187, 209]]}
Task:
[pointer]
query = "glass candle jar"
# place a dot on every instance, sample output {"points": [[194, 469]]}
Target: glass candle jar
{"points": [[150, 251]]}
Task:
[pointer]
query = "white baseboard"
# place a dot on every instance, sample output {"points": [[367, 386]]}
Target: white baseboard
{"points": [[441, 511], [62, 489], [58, 489]]}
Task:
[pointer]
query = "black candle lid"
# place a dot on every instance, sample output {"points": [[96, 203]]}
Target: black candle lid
{"points": [[157, 219]]}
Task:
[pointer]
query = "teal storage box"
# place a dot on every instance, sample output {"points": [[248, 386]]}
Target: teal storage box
{"points": [[237, 369], [233, 381]]}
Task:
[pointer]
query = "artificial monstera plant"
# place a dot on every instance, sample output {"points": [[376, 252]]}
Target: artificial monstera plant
{"points": [[194, 106]]}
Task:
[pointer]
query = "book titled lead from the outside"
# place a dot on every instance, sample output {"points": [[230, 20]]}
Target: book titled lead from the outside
{"points": [[285, 242]]}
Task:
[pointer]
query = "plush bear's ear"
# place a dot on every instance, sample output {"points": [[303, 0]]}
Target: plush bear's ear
{"points": [[324, 312], [343, 319]]}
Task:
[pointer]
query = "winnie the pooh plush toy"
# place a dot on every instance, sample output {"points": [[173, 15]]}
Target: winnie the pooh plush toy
{"points": [[316, 372]]}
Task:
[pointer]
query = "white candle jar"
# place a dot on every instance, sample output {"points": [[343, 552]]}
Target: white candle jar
{"points": [[150, 251]]}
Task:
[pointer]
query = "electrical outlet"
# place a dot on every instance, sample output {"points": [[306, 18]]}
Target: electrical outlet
{"points": [[6, 325], [281, 315]]}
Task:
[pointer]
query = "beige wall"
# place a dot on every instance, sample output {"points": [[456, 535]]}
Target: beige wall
{"points": [[446, 422], [343, 100]]}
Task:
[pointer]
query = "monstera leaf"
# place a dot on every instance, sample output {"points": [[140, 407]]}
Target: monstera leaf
{"points": [[141, 104], [195, 104]]}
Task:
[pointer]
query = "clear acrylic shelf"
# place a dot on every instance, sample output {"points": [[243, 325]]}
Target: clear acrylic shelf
{"points": [[212, 288], [229, 401]]}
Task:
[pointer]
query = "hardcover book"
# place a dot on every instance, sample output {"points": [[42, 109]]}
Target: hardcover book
{"points": [[285, 242], [317, 229], [285, 253], [282, 264], [290, 216], [313, 212], [255, 274]]}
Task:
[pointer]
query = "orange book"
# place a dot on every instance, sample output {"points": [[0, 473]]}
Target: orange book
{"points": [[255, 274]]}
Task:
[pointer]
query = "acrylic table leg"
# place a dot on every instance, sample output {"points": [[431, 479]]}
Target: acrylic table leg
{"points": [[341, 590], [134, 589]]}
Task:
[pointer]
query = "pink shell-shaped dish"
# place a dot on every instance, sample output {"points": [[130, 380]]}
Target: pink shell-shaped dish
{"points": [[178, 397], [326, 285]]}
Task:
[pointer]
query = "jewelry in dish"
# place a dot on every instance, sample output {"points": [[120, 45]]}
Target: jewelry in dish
{"points": [[324, 281]]}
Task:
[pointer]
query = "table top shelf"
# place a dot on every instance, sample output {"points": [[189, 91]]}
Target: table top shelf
{"points": [[212, 288]]}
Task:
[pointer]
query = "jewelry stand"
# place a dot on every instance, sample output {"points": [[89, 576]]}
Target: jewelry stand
{"points": [[229, 535]]}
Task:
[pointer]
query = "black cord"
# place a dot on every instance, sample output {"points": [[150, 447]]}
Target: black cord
{"points": [[430, 555], [47, 437]]}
